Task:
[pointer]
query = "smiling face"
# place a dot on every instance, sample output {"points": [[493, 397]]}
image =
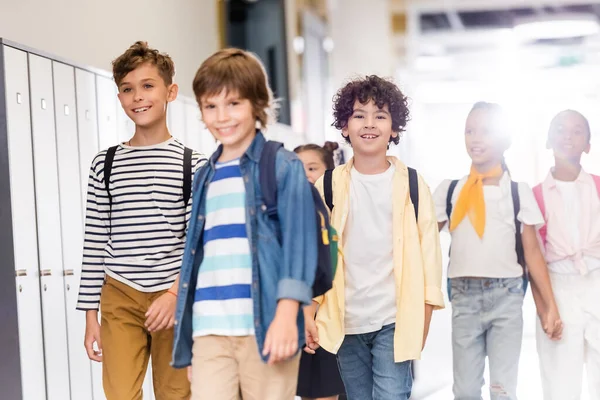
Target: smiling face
{"points": [[485, 139], [230, 119], [569, 136], [369, 128], [144, 96]]}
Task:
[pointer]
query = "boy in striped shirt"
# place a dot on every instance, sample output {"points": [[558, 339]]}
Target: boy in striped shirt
{"points": [[244, 276], [135, 235]]}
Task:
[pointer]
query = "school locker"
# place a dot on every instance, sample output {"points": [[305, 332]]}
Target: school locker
{"points": [[87, 126], [48, 226], [22, 194], [58, 118], [125, 126], [80, 372], [108, 133], [176, 119], [87, 129]]}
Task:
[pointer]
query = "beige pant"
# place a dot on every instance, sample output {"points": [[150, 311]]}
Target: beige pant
{"points": [[127, 347], [225, 367]]}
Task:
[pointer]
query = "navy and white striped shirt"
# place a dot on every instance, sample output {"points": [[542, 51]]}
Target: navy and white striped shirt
{"points": [[141, 241]]}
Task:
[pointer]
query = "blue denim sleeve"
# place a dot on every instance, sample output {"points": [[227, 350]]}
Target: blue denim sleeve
{"points": [[297, 218]]}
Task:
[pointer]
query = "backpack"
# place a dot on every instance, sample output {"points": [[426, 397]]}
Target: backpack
{"points": [[187, 175], [514, 191], [538, 193], [327, 242]]}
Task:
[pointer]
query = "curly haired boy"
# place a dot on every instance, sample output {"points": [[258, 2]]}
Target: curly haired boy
{"points": [[376, 317]]}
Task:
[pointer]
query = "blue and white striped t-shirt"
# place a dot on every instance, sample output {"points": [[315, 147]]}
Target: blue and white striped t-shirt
{"points": [[223, 299]]}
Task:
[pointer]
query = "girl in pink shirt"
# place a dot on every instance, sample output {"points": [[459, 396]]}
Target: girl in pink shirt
{"points": [[569, 199]]}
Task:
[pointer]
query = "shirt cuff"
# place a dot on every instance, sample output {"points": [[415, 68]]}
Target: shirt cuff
{"points": [[434, 297]]}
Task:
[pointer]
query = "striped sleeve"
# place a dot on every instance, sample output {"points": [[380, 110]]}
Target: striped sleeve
{"points": [[95, 240]]}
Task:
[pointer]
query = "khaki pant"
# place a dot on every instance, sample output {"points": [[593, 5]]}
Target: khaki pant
{"points": [[225, 367], [127, 346]]}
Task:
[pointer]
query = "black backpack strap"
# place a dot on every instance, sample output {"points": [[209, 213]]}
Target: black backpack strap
{"points": [[187, 175], [268, 176], [514, 190], [108, 163], [413, 187], [449, 199], [328, 188]]}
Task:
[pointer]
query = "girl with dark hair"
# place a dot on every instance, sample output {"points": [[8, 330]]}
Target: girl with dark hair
{"points": [[319, 376], [492, 221]]}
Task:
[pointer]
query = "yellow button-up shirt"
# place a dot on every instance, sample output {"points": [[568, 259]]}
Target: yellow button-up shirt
{"points": [[417, 264]]}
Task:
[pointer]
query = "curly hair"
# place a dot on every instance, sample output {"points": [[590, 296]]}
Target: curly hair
{"points": [[382, 92], [138, 54]]}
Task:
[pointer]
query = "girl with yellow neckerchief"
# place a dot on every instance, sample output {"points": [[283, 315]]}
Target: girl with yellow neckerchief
{"points": [[492, 222]]}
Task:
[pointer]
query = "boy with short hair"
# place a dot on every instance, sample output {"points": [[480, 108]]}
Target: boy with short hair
{"points": [[376, 317], [244, 276], [137, 212]]}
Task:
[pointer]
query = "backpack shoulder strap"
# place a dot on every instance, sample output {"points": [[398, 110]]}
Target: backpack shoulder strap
{"points": [[108, 163], [328, 188], [268, 176], [187, 174], [597, 182], [538, 193], [413, 186], [514, 190], [449, 198]]}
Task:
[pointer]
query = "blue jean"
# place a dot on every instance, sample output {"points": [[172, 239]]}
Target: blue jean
{"points": [[367, 366], [487, 320]]}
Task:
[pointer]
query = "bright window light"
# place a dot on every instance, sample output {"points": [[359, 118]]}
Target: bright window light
{"points": [[557, 27]]}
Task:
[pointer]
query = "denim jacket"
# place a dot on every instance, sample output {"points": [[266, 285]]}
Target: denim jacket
{"points": [[284, 254]]}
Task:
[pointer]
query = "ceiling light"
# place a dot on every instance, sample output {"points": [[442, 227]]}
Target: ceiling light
{"points": [[559, 26]]}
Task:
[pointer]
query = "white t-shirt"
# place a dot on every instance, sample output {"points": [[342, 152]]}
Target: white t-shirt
{"points": [[368, 254], [493, 255]]}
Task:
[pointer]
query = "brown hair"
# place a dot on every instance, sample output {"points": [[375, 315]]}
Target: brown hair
{"points": [[238, 71], [382, 92], [138, 54], [325, 152]]}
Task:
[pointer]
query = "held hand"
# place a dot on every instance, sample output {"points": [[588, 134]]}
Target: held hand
{"points": [[92, 335], [281, 341], [552, 324], [312, 336], [161, 314]]}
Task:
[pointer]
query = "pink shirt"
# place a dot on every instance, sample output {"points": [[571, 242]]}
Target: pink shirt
{"points": [[572, 214]]}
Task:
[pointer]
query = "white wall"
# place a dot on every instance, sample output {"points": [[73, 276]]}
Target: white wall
{"points": [[95, 32], [362, 36]]}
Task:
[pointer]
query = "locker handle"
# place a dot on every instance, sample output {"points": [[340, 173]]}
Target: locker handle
{"points": [[69, 272], [43, 104], [87, 114], [21, 272], [19, 98], [67, 112], [46, 272]]}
